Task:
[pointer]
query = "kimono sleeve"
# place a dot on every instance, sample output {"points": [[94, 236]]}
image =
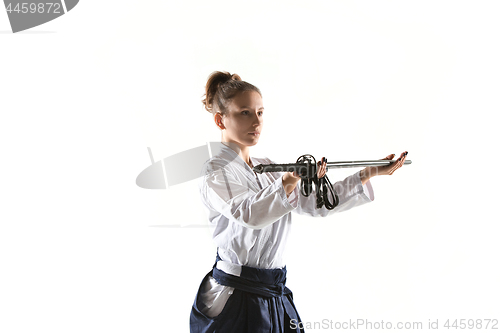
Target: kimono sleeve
{"points": [[351, 192], [222, 191]]}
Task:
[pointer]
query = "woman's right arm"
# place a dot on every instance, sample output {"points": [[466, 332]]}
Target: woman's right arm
{"points": [[223, 192], [290, 181]]}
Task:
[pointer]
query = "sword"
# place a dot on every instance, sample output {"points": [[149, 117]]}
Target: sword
{"points": [[307, 167]]}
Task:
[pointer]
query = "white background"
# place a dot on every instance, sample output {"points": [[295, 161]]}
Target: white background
{"points": [[84, 249]]}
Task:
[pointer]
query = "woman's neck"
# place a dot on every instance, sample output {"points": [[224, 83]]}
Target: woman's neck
{"points": [[242, 151]]}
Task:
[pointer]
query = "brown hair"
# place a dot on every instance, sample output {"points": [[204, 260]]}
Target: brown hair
{"points": [[221, 88]]}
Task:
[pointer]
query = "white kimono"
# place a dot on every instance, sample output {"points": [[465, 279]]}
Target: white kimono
{"points": [[252, 216]]}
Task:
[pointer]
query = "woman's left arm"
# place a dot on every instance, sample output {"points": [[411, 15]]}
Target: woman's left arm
{"points": [[370, 172], [353, 191], [350, 191]]}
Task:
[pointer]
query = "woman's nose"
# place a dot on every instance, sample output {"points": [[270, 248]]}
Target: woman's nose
{"points": [[257, 119]]}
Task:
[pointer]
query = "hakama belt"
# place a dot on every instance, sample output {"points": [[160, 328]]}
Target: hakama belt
{"points": [[260, 303], [263, 282]]}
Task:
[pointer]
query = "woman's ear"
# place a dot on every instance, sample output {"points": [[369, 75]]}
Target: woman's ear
{"points": [[218, 121]]}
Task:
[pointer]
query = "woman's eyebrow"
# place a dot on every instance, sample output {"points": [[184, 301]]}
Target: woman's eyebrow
{"points": [[247, 107]]}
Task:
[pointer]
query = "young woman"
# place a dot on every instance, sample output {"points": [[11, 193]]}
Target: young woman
{"points": [[245, 290]]}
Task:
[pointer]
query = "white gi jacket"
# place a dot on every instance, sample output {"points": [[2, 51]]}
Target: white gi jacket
{"points": [[252, 215]]}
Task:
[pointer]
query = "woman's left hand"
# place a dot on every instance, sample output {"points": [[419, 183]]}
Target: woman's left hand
{"points": [[389, 169], [321, 170]]}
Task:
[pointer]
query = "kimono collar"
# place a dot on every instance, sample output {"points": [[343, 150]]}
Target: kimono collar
{"points": [[234, 157], [236, 161]]}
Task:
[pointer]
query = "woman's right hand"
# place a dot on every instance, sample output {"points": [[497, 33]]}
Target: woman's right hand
{"points": [[321, 169], [290, 180]]}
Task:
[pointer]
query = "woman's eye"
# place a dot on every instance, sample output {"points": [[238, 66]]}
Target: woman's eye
{"points": [[247, 112]]}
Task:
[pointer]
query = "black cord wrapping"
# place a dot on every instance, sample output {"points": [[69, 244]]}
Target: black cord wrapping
{"points": [[322, 185]]}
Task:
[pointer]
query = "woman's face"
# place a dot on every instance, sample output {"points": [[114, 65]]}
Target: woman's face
{"points": [[244, 121]]}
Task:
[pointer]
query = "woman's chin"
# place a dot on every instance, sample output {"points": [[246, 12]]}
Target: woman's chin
{"points": [[253, 143]]}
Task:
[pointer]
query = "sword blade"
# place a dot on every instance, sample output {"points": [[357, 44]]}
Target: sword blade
{"points": [[362, 164]]}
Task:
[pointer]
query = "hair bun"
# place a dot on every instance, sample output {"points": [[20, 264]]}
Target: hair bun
{"points": [[221, 87], [235, 77]]}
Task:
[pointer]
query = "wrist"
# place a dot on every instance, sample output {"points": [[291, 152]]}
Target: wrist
{"points": [[289, 183], [366, 174], [289, 176]]}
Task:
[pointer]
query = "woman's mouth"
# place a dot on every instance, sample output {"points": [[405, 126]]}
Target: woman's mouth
{"points": [[254, 133]]}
